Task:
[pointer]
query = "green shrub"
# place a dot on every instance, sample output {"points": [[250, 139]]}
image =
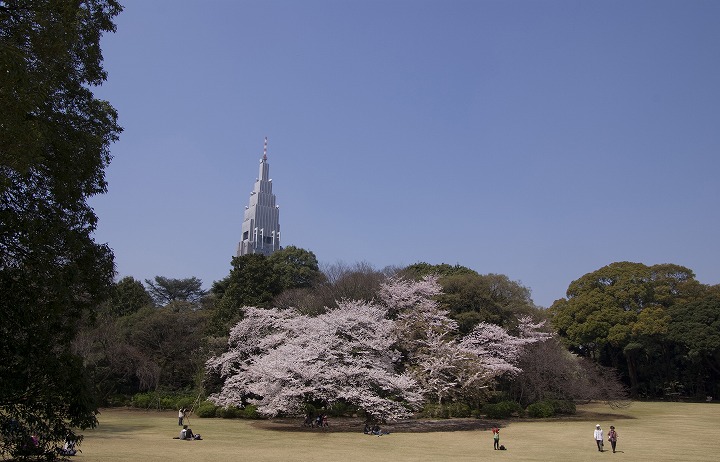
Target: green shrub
{"points": [[143, 400], [161, 400], [562, 406], [502, 410], [167, 402], [250, 412], [117, 401], [310, 410], [541, 409], [340, 409], [229, 412], [435, 411], [206, 409], [458, 410], [185, 401]]}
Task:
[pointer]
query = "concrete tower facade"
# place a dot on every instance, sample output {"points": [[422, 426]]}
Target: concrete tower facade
{"points": [[261, 225]]}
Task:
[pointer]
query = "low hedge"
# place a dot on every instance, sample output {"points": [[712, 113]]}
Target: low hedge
{"points": [[502, 410], [541, 409]]}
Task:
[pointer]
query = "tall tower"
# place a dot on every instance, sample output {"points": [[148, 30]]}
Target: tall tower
{"points": [[261, 226]]}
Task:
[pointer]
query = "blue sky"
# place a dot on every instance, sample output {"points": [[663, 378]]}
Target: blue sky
{"points": [[537, 139]]}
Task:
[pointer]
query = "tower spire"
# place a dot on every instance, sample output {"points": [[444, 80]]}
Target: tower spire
{"points": [[265, 150]]}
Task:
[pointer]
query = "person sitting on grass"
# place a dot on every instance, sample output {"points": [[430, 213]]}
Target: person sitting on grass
{"points": [[187, 434]]}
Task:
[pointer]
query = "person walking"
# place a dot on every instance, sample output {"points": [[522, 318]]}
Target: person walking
{"points": [[599, 437], [496, 438], [612, 437]]}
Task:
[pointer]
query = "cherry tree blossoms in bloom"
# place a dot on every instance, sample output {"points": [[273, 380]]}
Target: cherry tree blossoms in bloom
{"points": [[280, 360], [448, 367]]}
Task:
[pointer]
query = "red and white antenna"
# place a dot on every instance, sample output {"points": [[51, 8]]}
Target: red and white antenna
{"points": [[265, 150]]}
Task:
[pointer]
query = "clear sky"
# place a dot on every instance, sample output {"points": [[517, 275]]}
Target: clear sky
{"points": [[537, 139]]}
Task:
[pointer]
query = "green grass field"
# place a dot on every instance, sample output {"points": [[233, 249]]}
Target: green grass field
{"points": [[647, 432]]}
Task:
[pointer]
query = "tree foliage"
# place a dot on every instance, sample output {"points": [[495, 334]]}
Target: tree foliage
{"points": [[128, 296], [295, 268], [473, 298], [338, 281], [54, 146], [165, 290], [255, 280], [251, 282], [621, 316], [145, 350]]}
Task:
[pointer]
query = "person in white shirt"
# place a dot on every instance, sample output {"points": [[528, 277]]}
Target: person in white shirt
{"points": [[599, 437]]}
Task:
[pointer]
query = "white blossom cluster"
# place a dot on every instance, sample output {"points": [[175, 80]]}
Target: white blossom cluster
{"points": [[279, 360]]}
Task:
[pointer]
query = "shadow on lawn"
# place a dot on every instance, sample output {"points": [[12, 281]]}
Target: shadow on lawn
{"points": [[355, 425]]}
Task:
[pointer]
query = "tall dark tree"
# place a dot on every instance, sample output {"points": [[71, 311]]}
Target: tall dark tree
{"points": [[472, 298], [695, 330], [127, 297], [295, 267], [54, 146], [338, 282], [165, 290], [619, 316], [251, 282]]}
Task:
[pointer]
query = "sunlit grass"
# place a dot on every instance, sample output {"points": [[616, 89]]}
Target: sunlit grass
{"points": [[647, 432]]}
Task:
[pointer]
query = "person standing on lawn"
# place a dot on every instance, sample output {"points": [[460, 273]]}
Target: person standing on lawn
{"points": [[612, 437], [496, 438], [599, 437]]}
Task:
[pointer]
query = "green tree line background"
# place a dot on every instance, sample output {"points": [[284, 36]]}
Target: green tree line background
{"points": [[655, 327]]}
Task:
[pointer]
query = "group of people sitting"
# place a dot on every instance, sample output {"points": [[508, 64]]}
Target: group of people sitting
{"points": [[320, 421], [373, 429]]}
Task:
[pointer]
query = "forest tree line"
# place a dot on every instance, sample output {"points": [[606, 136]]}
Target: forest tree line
{"points": [[654, 329]]}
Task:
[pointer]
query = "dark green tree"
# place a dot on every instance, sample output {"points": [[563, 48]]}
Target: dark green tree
{"points": [[165, 290], [295, 267], [474, 298], [251, 282], [618, 316], [128, 296], [418, 270], [471, 298], [338, 281], [695, 329], [54, 146], [256, 280]]}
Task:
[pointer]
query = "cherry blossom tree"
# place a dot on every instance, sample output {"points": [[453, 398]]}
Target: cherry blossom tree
{"points": [[280, 360], [447, 366]]}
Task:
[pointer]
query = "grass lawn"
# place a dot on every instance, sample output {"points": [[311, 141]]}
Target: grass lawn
{"points": [[647, 432]]}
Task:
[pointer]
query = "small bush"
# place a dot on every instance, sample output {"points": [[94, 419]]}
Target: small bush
{"points": [[310, 410], [167, 402], [435, 411], [502, 410], [143, 400], [562, 406], [250, 412], [117, 401], [229, 412], [206, 409], [458, 410], [340, 409], [162, 400], [541, 410], [186, 402]]}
